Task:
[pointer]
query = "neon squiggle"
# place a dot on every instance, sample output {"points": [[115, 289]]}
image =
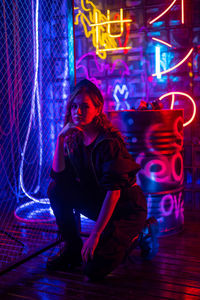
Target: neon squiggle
{"points": [[102, 67], [123, 91]]}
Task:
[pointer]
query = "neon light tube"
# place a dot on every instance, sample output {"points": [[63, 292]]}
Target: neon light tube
{"points": [[182, 11], [35, 95], [113, 49], [158, 62], [97, 33], [111, 22], [164, 12], [119, 21], [177, 65], [173, 100], [163, 42], [186, 95]]}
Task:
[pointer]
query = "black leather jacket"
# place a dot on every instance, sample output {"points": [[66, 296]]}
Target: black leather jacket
{"points": [[111, 165], [112, 168]]}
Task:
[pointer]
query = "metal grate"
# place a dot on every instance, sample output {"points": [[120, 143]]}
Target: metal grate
{"points": [[33, 70]]}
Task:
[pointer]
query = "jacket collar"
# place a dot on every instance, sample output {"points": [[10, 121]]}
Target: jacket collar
{"points": [[103, 136]]}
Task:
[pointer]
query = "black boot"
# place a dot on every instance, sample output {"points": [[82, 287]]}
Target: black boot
{"points": [[68, 259], [148, 239]]}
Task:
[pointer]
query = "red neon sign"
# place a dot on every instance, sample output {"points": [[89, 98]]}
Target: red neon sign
{"points": [[172, 104], [167, 9]]}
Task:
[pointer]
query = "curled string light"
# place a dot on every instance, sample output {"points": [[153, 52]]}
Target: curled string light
{"points": [[35, 95]]}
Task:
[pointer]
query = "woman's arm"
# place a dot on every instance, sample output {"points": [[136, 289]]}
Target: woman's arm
{"points": [[59, 159], [105, 214], [106, 211]]}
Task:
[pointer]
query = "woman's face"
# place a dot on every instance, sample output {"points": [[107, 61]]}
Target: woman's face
{"points": [[83, 110]]}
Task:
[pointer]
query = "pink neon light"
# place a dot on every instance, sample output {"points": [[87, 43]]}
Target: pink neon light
{"points": [[101, 67], [157, 176], [182, 11], [177, 65], [170, 204], [170, 199], [172, 103], [164, 12], [186, 95], [163, 42], [177, 177], [178, 207], [179, 136], [127, 34]]}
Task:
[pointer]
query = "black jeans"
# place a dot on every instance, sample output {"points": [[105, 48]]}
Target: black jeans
{"points": [[123, 226]]}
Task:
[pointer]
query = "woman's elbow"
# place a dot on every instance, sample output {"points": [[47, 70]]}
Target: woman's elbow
{"points": [[115, 194]]}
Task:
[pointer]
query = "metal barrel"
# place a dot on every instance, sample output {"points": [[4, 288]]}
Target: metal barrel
{"points": [[155, 140]]}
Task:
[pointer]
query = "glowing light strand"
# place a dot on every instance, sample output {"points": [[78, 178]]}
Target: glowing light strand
{"points": [[114, 49], [127, 34], [158, 62], [97, 35], [31, 212], [164, 12], [182, 12], [121, 24], [123, 91], [101, 37], [161, 41], [35, 94], [172, 105], [177, 65], [167, 9], [124, 70]]}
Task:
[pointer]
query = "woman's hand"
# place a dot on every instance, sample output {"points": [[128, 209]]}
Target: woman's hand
{"points": [[67, 128], [89, 247]]}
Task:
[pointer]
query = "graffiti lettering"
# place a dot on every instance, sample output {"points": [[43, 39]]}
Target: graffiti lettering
{"points": [[170, 204]]}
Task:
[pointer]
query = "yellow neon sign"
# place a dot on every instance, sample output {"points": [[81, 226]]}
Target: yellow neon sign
{"points": [[98, 27]]}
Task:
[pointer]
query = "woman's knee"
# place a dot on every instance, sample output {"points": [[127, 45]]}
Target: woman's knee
{"points": [[55, 193], [52, 190]]}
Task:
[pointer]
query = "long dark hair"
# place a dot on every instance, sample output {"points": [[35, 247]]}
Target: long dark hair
{"points": [[101, 122]]}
